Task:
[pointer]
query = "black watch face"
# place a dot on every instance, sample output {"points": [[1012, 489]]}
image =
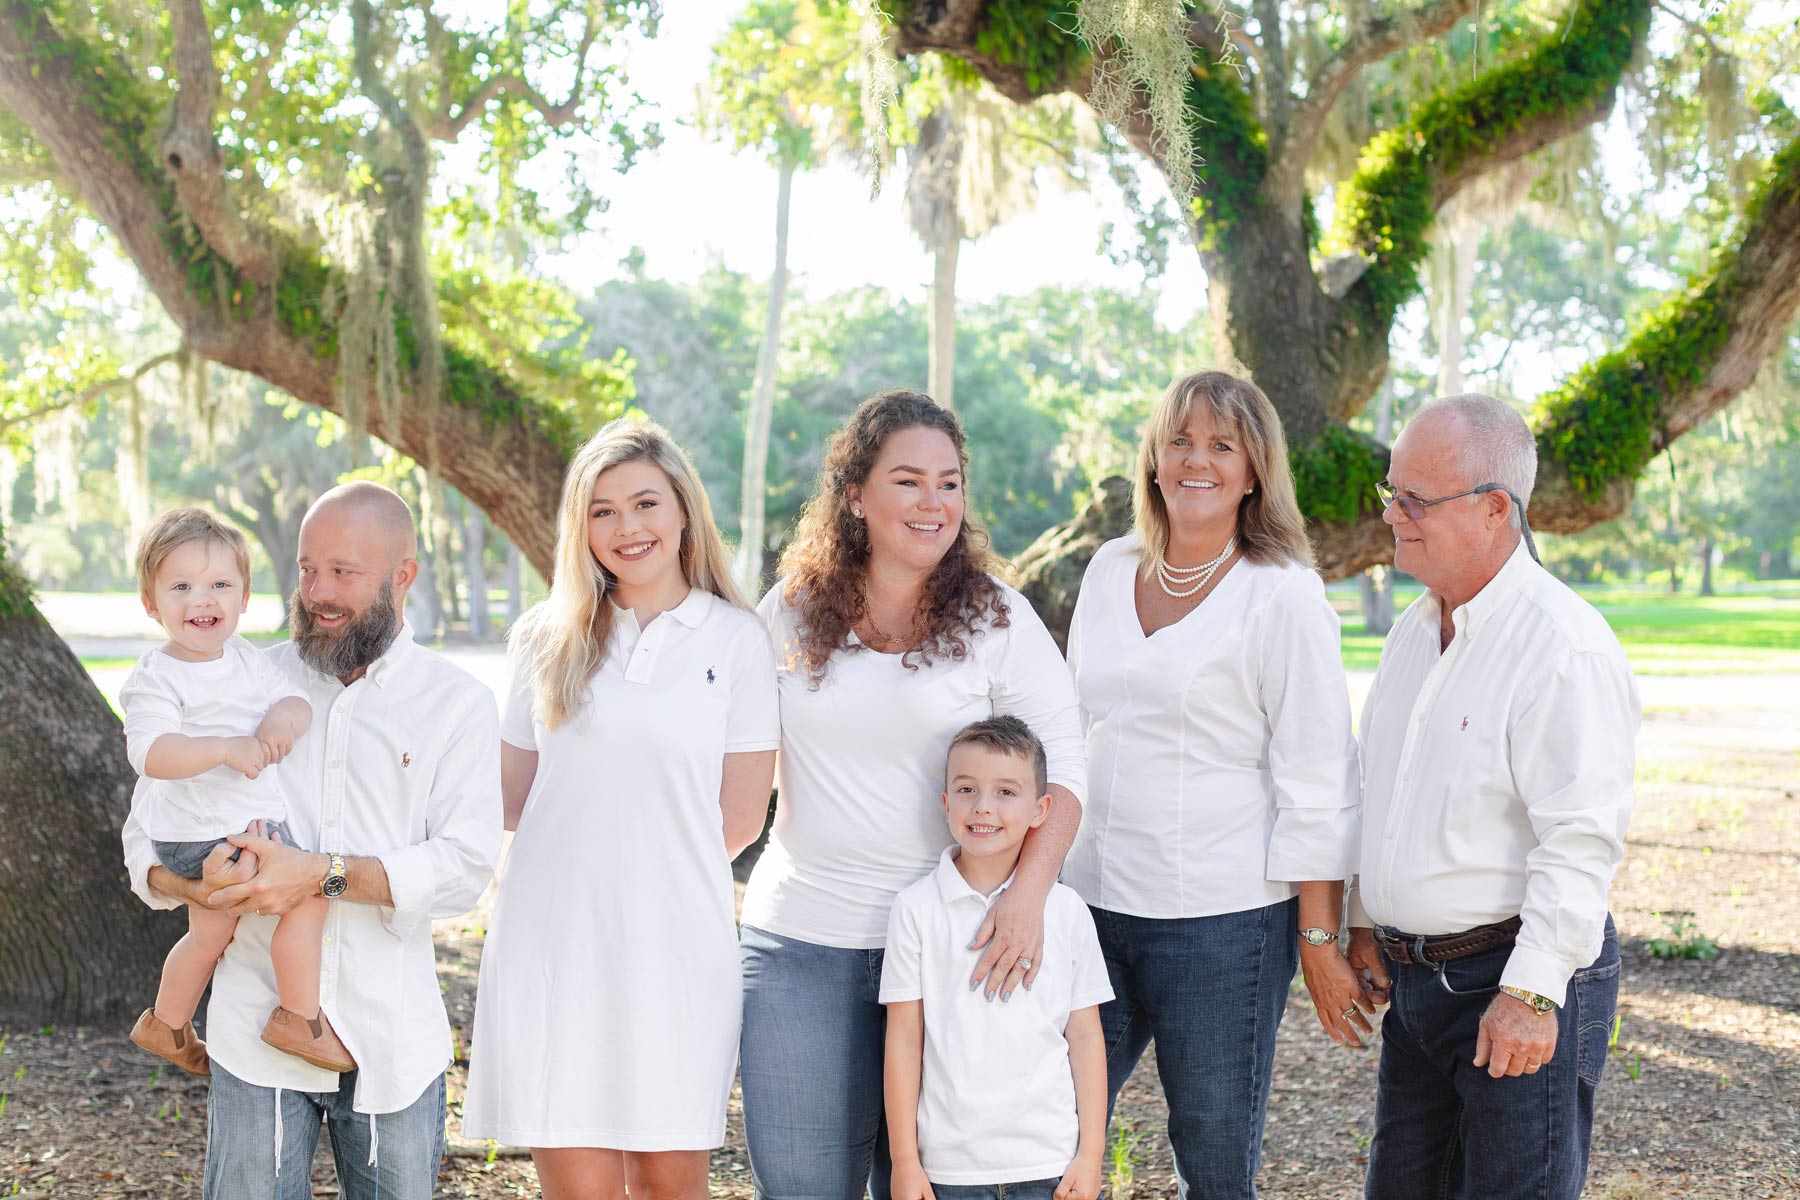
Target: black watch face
{"points": [[334, 885]]}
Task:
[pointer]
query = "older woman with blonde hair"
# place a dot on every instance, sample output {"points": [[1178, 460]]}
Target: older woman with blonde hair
{"points": [[1223, 782], [892, 632], [636, 757]]}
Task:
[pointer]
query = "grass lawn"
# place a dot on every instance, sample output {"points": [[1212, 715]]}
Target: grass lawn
{"points": [[1662, 634]]}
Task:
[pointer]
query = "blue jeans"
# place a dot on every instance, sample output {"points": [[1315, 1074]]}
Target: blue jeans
{"points": [[1210, 992], [1036, 1189], [242, 1145], [810, 1063], [1445, 1128]]}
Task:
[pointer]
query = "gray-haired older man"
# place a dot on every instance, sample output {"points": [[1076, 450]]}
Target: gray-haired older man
{"points": [[1497, 783]]}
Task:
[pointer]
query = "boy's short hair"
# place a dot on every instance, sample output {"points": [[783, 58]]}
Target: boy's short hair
{"points": [[1007, 735], [177, 528]]}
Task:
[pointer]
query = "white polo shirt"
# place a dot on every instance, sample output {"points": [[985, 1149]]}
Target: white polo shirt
{"points": [[996, 1095]]}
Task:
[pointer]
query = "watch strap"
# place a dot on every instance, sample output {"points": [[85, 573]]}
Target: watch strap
{"points": [[1542, 1004]]}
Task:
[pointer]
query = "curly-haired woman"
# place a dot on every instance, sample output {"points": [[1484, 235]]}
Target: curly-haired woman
{"points": [[891, 633]]}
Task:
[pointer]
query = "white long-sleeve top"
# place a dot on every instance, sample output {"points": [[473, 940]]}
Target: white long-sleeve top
{"points": [[1498, 773], [1221, 762], [402, 765], [860, 813]]}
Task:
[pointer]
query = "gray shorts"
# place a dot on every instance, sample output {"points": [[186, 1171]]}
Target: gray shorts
{"points": [[186, 858]]}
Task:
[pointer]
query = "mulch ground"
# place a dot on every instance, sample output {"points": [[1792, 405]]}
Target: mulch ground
{"points": [[1701, 1096]]}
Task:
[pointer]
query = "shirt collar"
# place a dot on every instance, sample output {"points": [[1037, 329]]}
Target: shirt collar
{"points": [[1480, 608], [690, 612], [953, 887]]}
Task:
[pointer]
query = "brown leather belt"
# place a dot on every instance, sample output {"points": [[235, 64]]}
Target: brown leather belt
{"points": [[1417, 949]]}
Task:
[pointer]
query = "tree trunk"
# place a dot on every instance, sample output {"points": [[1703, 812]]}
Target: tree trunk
{"points": [[515, 583], [75, 944], [1378, 580], [762, 404], [1453, 285], [474, 536], [423, 608], [942, 346], [1707, 547]]}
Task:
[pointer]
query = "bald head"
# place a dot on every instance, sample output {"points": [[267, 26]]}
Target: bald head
{"points": [[379, 516]]}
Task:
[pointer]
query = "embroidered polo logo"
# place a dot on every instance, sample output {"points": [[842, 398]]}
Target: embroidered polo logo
{"points": [[1465, 725], [709, 674], [406, 758]]}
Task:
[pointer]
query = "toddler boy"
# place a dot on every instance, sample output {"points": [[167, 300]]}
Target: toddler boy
{"points": [[980, 1094], [206, 716]]}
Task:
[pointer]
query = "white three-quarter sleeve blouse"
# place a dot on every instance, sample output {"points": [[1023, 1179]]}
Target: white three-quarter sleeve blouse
{"points": [[1221, 765]]}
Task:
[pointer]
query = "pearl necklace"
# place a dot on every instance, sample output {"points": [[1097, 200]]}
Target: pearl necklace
{"points": [[1193, 579]]}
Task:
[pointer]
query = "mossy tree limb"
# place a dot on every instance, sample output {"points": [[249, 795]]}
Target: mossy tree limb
{"points": [[102, 130]]}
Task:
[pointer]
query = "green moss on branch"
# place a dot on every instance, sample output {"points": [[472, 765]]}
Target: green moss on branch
{"points": [[1387, 208], [1335, 475]]}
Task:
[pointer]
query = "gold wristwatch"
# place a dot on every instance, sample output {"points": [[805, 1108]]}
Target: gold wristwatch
{"points": [[335, 882], [1542, 1004]]}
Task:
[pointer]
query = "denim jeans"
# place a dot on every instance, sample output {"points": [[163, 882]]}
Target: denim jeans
{"points": [[1210, 992], [1036, 1189], [393, 1156], [810, 1062], [1445, 1128]]}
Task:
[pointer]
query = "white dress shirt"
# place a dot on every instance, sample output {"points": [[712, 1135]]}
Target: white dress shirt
{"points": [[402, 765], [861, 813], [1222, 766], [996, 1092], [1498, 773], [223, 697]]}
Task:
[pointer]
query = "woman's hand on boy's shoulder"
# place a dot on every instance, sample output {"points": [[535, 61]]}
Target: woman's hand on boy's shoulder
{"points": [[908, 1182], [1082, 1180]]}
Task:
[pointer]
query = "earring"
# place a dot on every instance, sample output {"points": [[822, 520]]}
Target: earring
{"points": [[856, 512]]}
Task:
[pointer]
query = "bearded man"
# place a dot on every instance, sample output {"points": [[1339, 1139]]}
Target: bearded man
{"points": [[397, 785]]}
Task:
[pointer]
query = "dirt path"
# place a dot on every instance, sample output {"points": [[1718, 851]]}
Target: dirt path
{"points": [[1701, 1096]]}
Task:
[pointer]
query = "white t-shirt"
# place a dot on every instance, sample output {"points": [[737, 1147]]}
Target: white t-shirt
{"points": [[860, 813], [1222, 762], [996, 1094], [225, 697]]}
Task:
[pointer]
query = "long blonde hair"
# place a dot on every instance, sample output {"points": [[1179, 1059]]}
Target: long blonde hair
{"points": [[1270, 527], [561, 642]]}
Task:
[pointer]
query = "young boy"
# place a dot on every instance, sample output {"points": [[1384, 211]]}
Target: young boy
{"points": [[206, 716], [981, 1094]]}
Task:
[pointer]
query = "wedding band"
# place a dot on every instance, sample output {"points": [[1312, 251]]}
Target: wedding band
{"points": [[1347, 1013], [1531, 1066], [1024, 963]]}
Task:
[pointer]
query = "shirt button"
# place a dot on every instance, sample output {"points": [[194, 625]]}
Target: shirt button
{"points": [[334, 762]]}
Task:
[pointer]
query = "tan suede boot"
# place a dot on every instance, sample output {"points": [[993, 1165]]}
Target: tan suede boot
{"points": [[182, 1047], [314, 1040]]}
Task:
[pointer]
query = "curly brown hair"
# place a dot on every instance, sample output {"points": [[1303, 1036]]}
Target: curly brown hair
{"points": [[826, 564]]}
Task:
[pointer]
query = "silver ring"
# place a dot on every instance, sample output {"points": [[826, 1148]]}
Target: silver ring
{"points": [[1024, 963], [1347, 1013]]}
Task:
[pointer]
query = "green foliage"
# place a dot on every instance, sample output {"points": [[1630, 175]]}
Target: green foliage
{"points": [[1605, 424], [1683, 939], [783, 82], [1335, 474], [1232, 148], [1036, 37], [1386, 209]]}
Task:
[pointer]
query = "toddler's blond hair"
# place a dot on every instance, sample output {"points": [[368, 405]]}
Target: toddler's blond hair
{"points": [[178, 527]]}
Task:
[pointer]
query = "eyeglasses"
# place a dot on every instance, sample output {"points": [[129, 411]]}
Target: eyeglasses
{"points": [[1414, 508]]}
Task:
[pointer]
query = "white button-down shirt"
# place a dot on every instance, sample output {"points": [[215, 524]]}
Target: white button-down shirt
{"points": [[1498, 773], [402, 765], [862, 767], [996, 1092], [1222, 766]]}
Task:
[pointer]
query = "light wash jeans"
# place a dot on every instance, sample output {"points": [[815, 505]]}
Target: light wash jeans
{"points": [[1210, 992], [810, 1061], [1034, 1189], [392, 1156]]}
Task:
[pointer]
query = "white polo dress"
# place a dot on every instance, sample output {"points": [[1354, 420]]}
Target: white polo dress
{"points": [[610, 994]]}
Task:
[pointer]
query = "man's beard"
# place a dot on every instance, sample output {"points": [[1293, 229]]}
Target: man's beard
{"points": [[358, 642]]}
